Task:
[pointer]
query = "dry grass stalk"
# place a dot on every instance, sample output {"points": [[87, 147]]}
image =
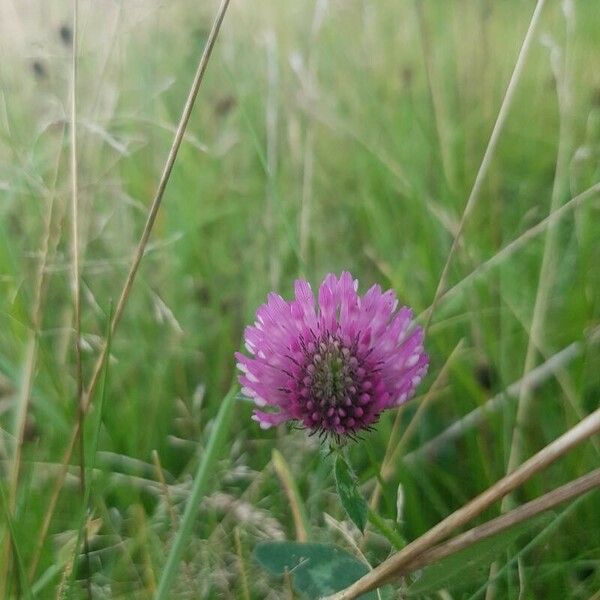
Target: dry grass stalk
{"points": [[545, 282], [548, 222], [24, 398], [76, 280], [75, 250], [547, 269], [128, 285], [567, 492], [489, 152], [396, 563]]}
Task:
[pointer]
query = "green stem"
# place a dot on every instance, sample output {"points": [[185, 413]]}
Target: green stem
{"points": [[392, 536], [206, 468]]}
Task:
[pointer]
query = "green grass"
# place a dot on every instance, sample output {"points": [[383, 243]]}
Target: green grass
{"points": [[394, 157]]}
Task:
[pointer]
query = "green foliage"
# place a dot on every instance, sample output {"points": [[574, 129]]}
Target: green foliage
{"points": [[349, 493], [360, 128]]}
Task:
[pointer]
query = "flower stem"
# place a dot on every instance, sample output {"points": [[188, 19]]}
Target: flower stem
{"points": [[392, 536]]}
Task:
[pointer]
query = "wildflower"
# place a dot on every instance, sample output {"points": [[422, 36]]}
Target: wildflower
{"points": [[334, 369]]}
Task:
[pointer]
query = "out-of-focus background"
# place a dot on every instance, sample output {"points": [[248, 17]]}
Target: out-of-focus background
{"points": [[328, 135]]}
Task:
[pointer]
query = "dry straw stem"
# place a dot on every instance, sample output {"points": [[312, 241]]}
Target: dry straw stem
{"points": [[24, 397], [548, 267], [489, 152], [388, 466], [49, 239], [567, 492], [546, 276], [394, 565], [561, 374], [547, 223], [138, 255], [311, 91], [164, 489], [271, 117], [158, 196], [75, 250]]}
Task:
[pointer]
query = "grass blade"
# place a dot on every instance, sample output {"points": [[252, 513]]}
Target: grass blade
{"points": [[205, 469]]}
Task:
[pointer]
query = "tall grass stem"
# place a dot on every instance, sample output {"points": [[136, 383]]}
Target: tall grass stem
{"points": [[489, 152], [138, 255]]}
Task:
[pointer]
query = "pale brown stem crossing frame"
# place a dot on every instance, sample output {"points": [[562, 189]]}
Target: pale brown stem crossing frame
{"points": [[394, 565], [567, 492], [138, 255], [489, 152]]}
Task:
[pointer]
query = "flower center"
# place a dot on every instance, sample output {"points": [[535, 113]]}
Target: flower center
{"points": [[331, 374], [334, 387]]}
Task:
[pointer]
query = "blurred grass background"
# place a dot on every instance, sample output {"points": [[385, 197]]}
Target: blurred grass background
{"points": [[329, 135]]}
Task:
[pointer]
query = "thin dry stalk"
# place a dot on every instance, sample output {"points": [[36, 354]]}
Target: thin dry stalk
{"points": [[560, 373], [394, 565], [547, 223], [411, 427], [435, 94], [548, 266], [544, 287], [162, 185], [567, 492], [32, 343], [138, 255], [143, 544], [76, 282], [310, 85], [489, 152], [271, 117], [306, 202], [24, 397], [75, 251]]}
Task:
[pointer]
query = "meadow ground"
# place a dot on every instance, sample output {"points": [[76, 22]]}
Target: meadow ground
{"points": [[327, 136]]}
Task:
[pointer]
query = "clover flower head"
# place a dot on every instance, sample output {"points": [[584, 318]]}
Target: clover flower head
{"points": [[333, 367]]}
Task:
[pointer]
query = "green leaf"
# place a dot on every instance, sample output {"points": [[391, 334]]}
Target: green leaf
{"points": [[472, 564], [316, 569], [347, 488]]}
